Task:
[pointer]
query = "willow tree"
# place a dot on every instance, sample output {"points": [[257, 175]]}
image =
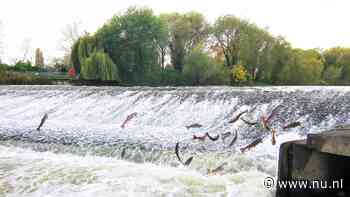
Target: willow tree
{"points": [[133, 40], [90, 60], [99, 66]]}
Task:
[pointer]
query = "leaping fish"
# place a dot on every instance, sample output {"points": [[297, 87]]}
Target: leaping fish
{"points": [[225, 135], [122, 155], [212, 138], [43, 119], [234, 139], [237, 117], [217, 170], [201, 138], [195, 125], [292, 125], [128, 118], [252, 145], [273, 140], [248, 122], [188, 161]]}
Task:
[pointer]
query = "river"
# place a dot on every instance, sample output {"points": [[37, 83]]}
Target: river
{"points": [[82, 150]]}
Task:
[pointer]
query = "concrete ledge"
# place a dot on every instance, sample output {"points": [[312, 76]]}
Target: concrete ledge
{"points": [[321, 157]]}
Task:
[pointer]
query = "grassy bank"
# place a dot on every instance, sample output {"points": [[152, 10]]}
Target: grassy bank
{"points": [[15, 78]]}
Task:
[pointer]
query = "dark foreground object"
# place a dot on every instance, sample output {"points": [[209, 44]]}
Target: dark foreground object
{"points": [[317, 166]]}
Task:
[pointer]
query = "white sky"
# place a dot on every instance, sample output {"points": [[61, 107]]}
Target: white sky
{"points": [[305, 23]]}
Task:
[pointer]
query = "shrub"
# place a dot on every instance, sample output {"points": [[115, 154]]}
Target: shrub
{"points": [[239, 73]]}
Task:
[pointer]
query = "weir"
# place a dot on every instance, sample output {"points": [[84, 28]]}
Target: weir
{"points": [[321, 160], [83, 136]]}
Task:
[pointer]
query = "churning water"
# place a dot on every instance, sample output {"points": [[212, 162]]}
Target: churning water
{"points": [[82, 151]]}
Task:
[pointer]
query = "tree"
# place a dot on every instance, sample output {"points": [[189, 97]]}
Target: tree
{"points": [[304, 67], [338, 58], [59, 64], [201, 69], [227, 33], [281, 55], [254, 51], [133, 41], [332, 74], [186, 31], [99, 66], [39, 58], [70, 34]]}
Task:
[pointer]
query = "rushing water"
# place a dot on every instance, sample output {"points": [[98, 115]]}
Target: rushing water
{"points": [[82, 150]]}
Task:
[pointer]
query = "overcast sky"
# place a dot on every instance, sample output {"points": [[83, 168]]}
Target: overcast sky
{"points": [[304, 23]]}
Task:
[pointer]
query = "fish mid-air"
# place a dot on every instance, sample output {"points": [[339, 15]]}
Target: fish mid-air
{"points": [[225, 135], [211, 137], [234, 139], [237, 117], [217, 170], [273, 139], [128, 118], [264, 120], [292, 125], [187, 162], [252, 145], [200, 138], [43, 119], [195, 125]]}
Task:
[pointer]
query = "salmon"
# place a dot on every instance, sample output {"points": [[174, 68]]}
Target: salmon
{"points": [[217, 170], [273, 140], [234, 139], [237, 117], [43, 119], [252, 145], [195, 125], [292, 125], [212, 138], [225, 135], [248, 122], [187, 162], [128, 118], [200, 138]]}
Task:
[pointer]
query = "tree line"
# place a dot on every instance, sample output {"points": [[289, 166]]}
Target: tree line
{"points": [[138, 47]]}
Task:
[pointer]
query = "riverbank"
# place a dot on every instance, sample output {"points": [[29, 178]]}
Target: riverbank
{"points": [[15, 78]]}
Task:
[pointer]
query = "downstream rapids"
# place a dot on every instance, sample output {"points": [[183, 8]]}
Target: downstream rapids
{"points": [[81, 150]]}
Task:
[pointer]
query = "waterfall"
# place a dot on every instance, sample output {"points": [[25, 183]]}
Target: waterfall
{"points": [[84, 123]]}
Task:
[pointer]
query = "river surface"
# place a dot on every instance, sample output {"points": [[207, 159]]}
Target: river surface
{"points": [[82, 151]]}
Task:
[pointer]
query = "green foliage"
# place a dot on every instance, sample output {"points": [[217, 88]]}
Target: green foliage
{"points": [[332, 74], [75, 57], [99, 66], [16, 78], [304, 67], [186, 31], [239, 73], [133, 47], [227, 32], [133, 41], [200, 69], [24, 66]]}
